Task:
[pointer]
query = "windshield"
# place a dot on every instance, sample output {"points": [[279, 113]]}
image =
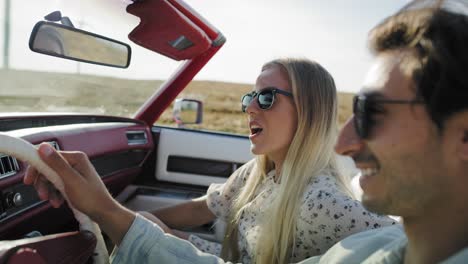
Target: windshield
{"points": [[33, 82], [333, 34]]}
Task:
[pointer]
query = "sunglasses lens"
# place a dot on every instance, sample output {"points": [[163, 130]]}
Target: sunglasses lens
{"points": [[246, 100], [265, 99], [360, 120]]}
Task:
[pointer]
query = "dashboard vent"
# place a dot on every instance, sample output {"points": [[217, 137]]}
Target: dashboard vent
{"points": [[136, 137], [54, 144], [8, 166]]}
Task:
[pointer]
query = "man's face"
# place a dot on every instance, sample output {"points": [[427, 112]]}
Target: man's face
{"points": [[401, 161]]}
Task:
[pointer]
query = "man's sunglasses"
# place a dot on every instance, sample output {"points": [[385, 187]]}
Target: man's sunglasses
{"points": [[265, 98], [365, 107]]}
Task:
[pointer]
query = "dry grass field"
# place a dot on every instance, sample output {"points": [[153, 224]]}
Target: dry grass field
{"points": [[22, 91], [221, 103]]}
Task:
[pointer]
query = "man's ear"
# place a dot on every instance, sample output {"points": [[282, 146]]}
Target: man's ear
{"points": [[464, 146], [463, 150], [459, 134]]}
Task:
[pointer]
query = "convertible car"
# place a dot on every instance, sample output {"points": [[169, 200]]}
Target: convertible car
{"points": [[145, 166]]}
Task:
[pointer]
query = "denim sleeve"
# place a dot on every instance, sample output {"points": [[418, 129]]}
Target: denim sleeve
{"points": [[145, 242]]}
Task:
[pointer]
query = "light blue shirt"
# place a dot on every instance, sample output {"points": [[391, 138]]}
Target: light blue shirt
{"points": [[145, 242]]}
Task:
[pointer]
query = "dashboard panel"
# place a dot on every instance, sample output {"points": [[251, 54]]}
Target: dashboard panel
{"points": [[117, 148]]}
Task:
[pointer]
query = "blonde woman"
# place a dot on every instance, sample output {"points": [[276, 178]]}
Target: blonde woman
{"points": [[290, 202], [287, 204]]}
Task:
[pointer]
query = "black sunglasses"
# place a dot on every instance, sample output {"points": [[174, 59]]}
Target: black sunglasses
{"points": [[265, 98], [365, 107]]}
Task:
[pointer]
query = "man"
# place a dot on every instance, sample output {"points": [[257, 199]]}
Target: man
{"points": [[408, 134], [409, 137]]}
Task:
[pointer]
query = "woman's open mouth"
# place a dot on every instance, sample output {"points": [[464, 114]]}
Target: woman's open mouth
{"points": [[255, 131]]}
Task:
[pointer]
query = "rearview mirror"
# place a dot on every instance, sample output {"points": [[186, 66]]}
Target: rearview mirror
{"points": [[71, 43]]}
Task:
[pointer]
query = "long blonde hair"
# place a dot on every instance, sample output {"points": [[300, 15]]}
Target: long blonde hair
{"points": [[309, 155]]}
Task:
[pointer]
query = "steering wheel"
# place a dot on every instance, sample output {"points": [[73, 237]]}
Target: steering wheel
{"points": [[26, 152]]}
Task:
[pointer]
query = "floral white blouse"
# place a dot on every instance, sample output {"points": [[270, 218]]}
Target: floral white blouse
{"points": [[327, 215]]}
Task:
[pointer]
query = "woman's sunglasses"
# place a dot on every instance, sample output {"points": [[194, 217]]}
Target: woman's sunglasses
{"points": [[265, 98], [364, 109]]}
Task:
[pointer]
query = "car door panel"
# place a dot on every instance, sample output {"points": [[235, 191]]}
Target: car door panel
{"points": [[187, 162], [198, 157]]}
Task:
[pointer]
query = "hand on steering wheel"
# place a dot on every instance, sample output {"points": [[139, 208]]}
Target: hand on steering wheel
{"points": [[64, 182], [82, 184]]}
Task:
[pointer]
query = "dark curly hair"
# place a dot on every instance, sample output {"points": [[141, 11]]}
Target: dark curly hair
{"points": [[438, 40]]}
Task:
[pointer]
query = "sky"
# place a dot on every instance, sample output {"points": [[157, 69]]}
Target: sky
{"points": [[331, 32]]}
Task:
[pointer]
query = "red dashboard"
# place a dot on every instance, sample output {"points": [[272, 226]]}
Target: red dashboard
{"points": [[117, 148]]}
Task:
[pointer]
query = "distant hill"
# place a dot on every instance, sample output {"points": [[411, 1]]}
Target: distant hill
{"points": [[22, 91]]}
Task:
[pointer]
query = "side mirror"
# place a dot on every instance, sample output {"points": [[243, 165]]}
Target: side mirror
{"points": [[75, 44], [187, 111]]}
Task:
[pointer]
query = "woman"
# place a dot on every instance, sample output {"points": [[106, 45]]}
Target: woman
{"points": [[290, 202]]}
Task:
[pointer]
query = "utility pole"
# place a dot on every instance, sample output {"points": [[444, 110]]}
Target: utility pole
{"points": [[6, 37]]}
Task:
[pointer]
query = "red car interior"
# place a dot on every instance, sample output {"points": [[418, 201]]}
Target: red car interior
{"points": [[117, 150], [121, 149], [72, 247], [179, 21], [178, 37]]}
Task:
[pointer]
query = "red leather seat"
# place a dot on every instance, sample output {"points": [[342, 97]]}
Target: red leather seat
{"points": [[72, 247]]}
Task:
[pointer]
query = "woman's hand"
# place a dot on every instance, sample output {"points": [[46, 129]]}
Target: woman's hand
{"points": [[164, 227], [157, 221]]}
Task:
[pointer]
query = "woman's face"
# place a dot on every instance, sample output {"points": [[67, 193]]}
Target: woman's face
{"points": [[272, 130]]}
